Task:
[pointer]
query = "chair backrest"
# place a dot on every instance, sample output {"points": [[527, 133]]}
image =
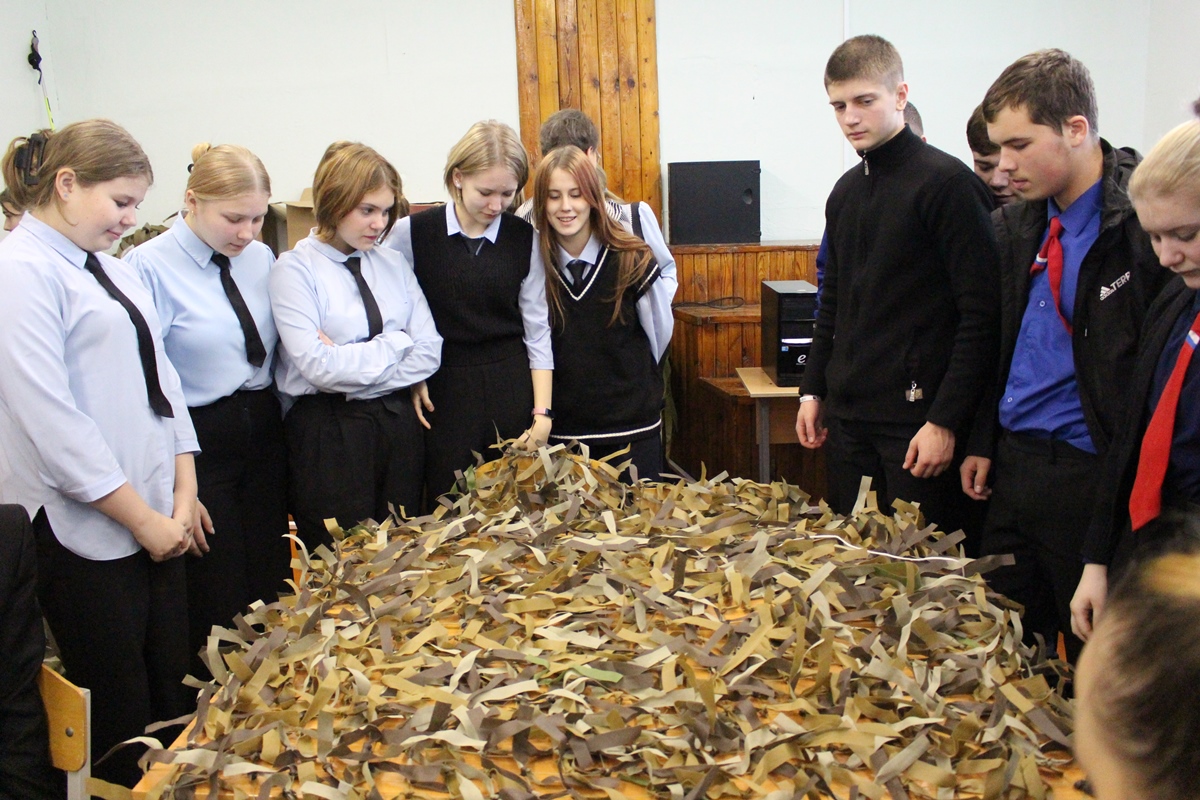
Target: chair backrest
{"points": [[69, 713]]}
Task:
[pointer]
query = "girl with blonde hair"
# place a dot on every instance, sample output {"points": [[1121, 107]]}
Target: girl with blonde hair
{"points": [[479, 267], [208, 275]]}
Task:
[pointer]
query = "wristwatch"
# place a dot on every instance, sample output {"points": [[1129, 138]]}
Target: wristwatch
{"points": [[544, 412]]}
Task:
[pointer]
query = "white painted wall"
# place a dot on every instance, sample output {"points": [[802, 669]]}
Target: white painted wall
{"points": [[745, 81], [736, 80], [21, 106], [282, 77]]}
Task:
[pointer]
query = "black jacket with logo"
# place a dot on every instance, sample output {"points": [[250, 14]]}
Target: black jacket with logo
{"points": [[1118, 280], [1110, 520]]}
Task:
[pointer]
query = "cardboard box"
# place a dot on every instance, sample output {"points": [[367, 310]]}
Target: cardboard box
{"points": [[300, 218], [290, 221]]}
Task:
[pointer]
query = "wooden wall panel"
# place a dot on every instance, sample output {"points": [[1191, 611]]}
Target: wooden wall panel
{"points": [[647, 44], [546, 17], [589, 59], [715, 418], [712, 272], [568, 56], [527, 72], [599, 56]]}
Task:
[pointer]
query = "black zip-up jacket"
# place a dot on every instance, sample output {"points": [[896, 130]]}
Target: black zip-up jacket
{"points": [[1118, 280], [911, 292], [1110, 521]]}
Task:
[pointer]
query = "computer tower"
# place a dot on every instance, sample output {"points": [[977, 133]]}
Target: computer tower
{"points": [[789, 313], [713, 202]]}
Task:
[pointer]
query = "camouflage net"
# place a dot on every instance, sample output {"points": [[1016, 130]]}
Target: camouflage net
{"points": [[555, 633]]}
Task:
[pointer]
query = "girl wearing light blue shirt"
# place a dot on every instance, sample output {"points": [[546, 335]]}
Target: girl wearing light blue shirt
{"points": [[355, 334], [95, 438], [208, 276]]}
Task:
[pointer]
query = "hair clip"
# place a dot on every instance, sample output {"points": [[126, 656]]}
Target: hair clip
{"points": [[28, 159]]}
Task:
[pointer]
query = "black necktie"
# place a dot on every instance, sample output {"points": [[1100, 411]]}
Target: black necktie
{"points": [[256, 353], [374, 318], [577, 267], [158, 400], [473, 245]]}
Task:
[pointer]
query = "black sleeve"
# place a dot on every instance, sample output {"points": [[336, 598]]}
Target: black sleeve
{"points": [[1110, 517], [959, 222], [814, 381], [25, 769]]}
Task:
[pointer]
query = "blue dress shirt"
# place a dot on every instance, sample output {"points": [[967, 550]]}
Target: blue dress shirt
{"points": [[535, 314], [1041, 397], [311, 291], [1182, 483], [75, 422], [201, 331]]}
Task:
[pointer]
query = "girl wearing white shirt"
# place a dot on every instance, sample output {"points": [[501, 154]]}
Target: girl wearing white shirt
{"points": [[355, 334], [610, 309], [479, 267], [95, 438], [208, 276]]}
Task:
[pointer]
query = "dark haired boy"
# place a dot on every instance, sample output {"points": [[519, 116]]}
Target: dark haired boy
{"points": [[570, 126], [985, 158], [905, 341], [1077, 275]]}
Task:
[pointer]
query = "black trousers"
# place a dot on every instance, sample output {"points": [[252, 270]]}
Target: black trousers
{"points": [[1042, 501], [475, 404], [646, 454], [242, 476], [350, 459], [121, 629], [25, 768], [855, 449]]}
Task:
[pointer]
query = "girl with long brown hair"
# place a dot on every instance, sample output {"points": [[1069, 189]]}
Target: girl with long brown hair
{"points": [[608, 296]]}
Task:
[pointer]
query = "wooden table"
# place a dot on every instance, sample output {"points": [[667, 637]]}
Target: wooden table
{"points": [[765, 395]]}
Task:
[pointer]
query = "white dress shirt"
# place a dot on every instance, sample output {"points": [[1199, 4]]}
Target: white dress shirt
{"points": [[312, 291], [653, 307], [201, 331], [75, 420], [535, 313]]}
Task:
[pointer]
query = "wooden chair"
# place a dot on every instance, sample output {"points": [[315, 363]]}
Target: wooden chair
{"points": [[69, 712]]}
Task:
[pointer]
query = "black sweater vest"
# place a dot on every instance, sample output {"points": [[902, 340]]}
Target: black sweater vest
{"points": [[474, 299], [608, 387]]}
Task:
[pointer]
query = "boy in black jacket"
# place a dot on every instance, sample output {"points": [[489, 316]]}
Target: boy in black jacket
{"points": [[1077, 275], [905, 342]]}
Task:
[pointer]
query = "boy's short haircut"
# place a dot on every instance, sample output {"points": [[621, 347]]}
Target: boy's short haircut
{"points": [[977, 135], [866, 57], [913, 118], [570, 126], [1050, 85]]}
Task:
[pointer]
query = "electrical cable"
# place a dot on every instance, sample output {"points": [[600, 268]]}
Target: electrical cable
{"points": [[35, 61]]}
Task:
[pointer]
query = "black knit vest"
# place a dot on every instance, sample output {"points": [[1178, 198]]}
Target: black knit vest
{"points": [[474, 299], [608, 387]]}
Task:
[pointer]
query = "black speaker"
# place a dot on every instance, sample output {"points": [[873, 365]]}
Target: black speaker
{"points": [[713, 202]]}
